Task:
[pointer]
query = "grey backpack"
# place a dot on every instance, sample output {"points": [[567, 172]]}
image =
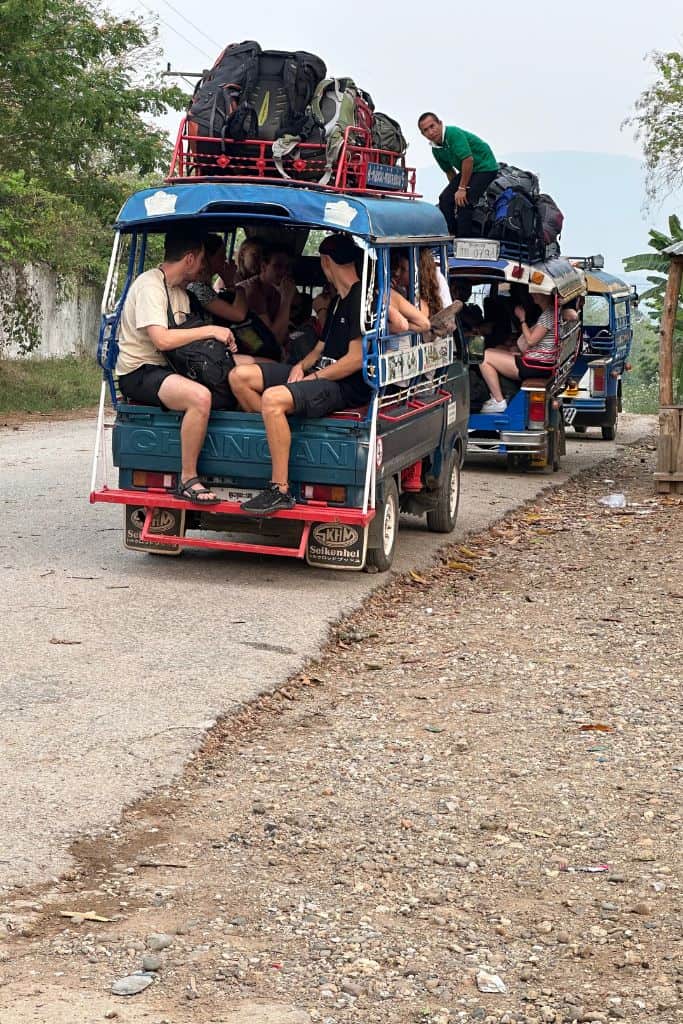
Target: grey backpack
{"points": [[387, 134]]}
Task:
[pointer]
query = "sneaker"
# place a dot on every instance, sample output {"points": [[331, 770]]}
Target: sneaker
{"points": [[493, 406], [268, 501]]}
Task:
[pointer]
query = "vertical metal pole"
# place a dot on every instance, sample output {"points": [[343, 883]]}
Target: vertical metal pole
{"points": [[98, 438], [370, 468]]}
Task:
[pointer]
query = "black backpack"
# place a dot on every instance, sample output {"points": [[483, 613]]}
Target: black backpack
{"points": [[218, 94], [254, 93], [515, 220], [552, 220]]}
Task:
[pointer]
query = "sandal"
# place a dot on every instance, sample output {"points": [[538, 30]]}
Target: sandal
{"points": [[187, 491]]}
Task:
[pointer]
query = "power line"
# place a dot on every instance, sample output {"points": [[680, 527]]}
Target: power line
{"points": [[190, 23], [175, 31]]}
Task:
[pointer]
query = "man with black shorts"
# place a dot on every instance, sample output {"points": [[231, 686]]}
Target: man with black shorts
{"points": [[328, 379], [470, 167], [143, 373]]}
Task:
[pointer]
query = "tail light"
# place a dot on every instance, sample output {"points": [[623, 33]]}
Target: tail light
{"points": [[536, 409], [323, 492], [146, 478], [598, 380]]}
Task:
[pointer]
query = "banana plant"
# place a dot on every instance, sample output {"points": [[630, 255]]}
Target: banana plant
{"points": [[657, 262]]}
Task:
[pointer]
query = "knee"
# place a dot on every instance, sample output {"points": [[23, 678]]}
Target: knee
{"points": [[200, 400], [236, 377], [274, 401]]}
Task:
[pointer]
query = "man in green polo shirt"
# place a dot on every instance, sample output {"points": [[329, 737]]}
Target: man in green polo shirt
{"points": [[469, 164]]}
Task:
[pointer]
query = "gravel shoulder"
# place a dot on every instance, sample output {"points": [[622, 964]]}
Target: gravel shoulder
{"points": [[478, 778]]}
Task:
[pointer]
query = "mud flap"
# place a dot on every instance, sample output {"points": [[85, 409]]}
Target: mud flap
{"points": [[169, 521], [337, 546]]}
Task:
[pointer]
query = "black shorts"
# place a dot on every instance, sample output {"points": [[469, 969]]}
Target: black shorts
{"points": [[313, 398], [142, 385], [527, 372]]}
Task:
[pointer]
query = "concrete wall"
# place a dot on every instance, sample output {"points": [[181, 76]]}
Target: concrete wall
{"points": [[41, 315]]}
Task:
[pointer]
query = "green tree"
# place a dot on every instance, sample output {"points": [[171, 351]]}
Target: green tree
{"points": [[78, 90], [658, 264], [658, 124]]}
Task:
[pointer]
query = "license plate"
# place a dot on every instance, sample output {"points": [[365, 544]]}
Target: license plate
{"points": [[386, 176], [168, 521], [238, 494], [474, 249], [337, 545]]}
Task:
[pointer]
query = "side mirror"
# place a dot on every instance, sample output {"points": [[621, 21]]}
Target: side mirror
{"points": [[475, 348], [635, 297]]}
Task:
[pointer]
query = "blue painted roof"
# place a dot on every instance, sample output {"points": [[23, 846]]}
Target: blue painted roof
{"points": [[374, 219], [556, 274], [600, 282]]}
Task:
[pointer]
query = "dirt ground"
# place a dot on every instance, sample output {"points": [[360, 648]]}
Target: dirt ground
{"points": [[476, 785]]}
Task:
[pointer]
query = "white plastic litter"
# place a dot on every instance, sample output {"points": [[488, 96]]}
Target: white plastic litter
{"points": [[490, 982], [613, 501]]}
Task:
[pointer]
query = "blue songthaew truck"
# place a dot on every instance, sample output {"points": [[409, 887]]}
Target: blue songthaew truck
{"points": [[593, 396], [529, 432], [352, 473]]}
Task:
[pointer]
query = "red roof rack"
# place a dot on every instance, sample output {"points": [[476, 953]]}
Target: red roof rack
{"points": [[361, 167]]}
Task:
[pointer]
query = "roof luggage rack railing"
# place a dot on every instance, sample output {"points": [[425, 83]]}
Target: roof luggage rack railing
{"points": [[360, 168], [596, 262]]}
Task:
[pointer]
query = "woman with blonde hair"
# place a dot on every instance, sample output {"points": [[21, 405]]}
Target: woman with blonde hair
{"points": [[430, 290]]}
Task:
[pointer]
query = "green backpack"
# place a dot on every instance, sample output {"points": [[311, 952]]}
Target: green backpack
{"points": [[338, 104]]}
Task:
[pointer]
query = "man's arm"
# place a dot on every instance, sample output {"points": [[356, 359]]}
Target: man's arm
{"points": [[235, 310], [280, 323], [465, 174], [309, 360], [168, 338], [344, 367]]}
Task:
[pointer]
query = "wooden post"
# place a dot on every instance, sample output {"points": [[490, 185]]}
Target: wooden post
{"points": [[669, 473], [666, 332]]}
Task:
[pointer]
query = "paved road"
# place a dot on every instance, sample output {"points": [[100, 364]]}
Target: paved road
{"points": [[114, 664]]}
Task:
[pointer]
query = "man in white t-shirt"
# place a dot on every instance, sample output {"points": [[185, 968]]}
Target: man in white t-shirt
{"points": [[145, 334]]}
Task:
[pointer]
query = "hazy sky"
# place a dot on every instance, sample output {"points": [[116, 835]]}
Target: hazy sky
{"points": [[496, 68]]}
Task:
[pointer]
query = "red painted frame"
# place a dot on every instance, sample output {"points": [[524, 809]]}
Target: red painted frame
{"points": [[350, 175], [310, 512]]}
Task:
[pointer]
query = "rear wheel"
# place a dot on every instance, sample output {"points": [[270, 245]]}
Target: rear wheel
{"points": [[554, 449], [385, 529], [518, 462], [609, 428], [442, 519]]}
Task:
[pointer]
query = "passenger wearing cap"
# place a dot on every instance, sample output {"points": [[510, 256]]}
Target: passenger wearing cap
{"points": [[327, 380]]}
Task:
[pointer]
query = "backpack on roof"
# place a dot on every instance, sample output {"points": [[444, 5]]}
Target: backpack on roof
{"points": [[283, 88], [552, 220], [515, 221], [255, 93], [515, 178], [337, 104], [217, 95], [387, 134]]}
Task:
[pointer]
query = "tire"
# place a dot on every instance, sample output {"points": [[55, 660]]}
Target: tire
{"points": [[609, 428], [517, 462], [553, 462], [443, 518], [580, 428], [386, 516]]}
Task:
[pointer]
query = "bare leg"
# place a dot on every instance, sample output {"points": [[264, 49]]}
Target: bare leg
{"points": [[246, 382], [194, 400], [276, 404], [497, 361]]}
